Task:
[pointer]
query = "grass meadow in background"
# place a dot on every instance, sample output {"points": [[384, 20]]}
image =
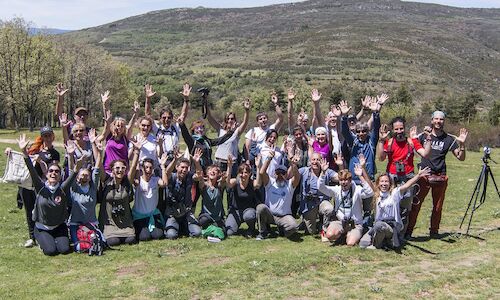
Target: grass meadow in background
{"points": [[451, 267]]}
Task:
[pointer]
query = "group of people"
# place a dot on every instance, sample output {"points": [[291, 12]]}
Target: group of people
{"points": [[323, 173]]}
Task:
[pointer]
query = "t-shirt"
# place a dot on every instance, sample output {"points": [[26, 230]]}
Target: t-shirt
{"points": [[401, 151], [148, 150], [47, 156], [440, 145], [311, 197], [212, 203], [264, 150], [260, 134], [146, 195], [115, 150], [279, 198], [387, 208], [84, 201], [170, 135], [325, 152], [230, 146]]}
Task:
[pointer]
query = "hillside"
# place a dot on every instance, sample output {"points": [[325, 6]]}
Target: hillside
{"points": [[374, 45]]}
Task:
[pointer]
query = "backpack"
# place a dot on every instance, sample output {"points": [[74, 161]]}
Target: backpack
{"points": [[89, 240]]}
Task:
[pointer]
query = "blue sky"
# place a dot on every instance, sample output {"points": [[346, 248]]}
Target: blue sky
{"points": [[78, 14]]}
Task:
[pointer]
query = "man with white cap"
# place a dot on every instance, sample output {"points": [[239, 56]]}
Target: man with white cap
{"points": [[441, 143]]}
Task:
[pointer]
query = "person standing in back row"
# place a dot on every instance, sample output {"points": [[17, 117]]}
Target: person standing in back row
{"points": [[441, 143]]}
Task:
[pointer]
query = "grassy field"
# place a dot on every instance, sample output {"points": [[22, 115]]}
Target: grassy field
{"points": [[453, 266]]}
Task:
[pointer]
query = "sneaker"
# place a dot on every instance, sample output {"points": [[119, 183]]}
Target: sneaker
{"points": [[29, 243], [371, 247], [324, 239], [261, 236]]}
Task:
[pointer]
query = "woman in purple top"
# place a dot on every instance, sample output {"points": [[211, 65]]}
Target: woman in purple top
{"points": [[323, 145], [117, 136]]}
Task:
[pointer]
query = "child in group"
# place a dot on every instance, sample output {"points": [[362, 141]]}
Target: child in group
{"points": [[387, 229]]}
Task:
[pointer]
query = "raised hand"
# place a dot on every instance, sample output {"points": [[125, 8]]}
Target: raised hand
{"points": [[164, 159], [335, 110], [198, 153], [463, 135], [339, 159], [427, 130], [148, 89], [63, 119], [105, 98], [382, 99], [258, 159], [60, 90], [413, 132], [92, 135], [160, 138], [274, 98], [365, 102], [70, 148], [291, 94], [136, 107], [374, 105], [177, 153], [344, 107], [186, 90], [23, 142], [384, 132], [246, 103], [99, 145], [295, 159], [324, 164], [362, 159], [229, 160], [358, 170], [315, 95], [271, 154], [80, 161], [138, 141]]}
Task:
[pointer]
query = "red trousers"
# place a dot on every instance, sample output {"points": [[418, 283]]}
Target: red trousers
{"points": [[438, 192]]}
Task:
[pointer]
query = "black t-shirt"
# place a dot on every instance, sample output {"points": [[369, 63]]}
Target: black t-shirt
{"points": [[439, 148], [48, 157], [243, 199]]}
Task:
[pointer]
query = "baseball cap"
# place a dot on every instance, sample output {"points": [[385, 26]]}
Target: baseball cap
{"points": [[282, 168], [81, 109], [46, 129]]}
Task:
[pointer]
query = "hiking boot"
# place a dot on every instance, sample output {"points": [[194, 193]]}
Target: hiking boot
{"points": [[29, 243], [261, 236]]}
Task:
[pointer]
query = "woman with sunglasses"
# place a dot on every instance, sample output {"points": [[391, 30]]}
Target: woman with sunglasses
{"points": [[387, 231], [42, 153], [230, 146], [115, 215], [51, 204], [117, 135]]}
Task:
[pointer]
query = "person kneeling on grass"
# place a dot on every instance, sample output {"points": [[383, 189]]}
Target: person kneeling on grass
{"points": [[178, 200], [279, 193], [388, 226], [348, 199], [51, 204], [212, 210], [148, 220]]}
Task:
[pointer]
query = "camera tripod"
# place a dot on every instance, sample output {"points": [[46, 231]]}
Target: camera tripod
{"points": [[480, 190]]}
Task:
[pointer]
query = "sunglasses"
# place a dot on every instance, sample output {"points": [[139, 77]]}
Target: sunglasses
{"points": [[145, 125], [168, 118], [362, 131], [57, 171], [280, 172], [231, 118], [119, 168], [200, 128], [78, 130]]}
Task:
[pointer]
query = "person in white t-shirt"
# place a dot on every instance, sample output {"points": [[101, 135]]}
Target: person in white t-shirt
{"points": [[279, 193], [388, 226], [151, 148], [230, 146], [257, 134]]}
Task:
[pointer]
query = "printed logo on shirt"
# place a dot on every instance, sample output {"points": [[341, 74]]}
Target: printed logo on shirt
{"points": [[57, 199], [437, 145]]}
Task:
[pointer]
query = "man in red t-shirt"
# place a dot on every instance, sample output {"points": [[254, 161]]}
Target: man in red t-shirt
{"points": [[399, 150]]}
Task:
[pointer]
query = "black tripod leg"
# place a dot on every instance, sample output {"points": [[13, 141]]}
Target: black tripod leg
{"points": [[494, 182], [476, 190]]}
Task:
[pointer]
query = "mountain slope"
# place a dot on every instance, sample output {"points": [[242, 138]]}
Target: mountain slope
{"points": [[374, 44]]}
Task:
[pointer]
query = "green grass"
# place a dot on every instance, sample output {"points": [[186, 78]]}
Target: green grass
{"points": [[240, 268]]}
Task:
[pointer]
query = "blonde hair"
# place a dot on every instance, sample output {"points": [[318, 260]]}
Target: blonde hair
{"points": [[376, 195], [116, 121]]}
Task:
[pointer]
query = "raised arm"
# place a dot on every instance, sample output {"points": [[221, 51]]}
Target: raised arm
{"points": [[213, 122], [279, 113], [244, 123], [105, 103], [294, 170], [130, 126], [148, 90], [137, 144], [460, 151], [107, 126], [322, 187], [344, 127], [383, 135], [291, 122], [188, 139], [263, 169], [163, 182], [64, 122], [366, 183], [171, 165], [23, 144], [60, 91], [318, 119], [426, 150], [186, 91], [198, 176], [421, 173], [230, 182], [365, 104]]}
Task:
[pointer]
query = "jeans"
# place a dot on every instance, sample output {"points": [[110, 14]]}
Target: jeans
{"points": [[53, 241]]}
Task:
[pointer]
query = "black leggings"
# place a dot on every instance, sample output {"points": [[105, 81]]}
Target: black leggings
{"points": [[28, 197], [115, 241], [142, 230], [53, 241]]}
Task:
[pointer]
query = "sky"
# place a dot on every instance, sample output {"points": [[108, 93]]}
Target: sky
{"points": [[78, 14]]}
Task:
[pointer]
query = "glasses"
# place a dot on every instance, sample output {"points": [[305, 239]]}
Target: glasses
{"points": [[145, 125], [231, 118], [119, 168], [280, 172], [200, 128], [78, 130], [168, 118], [57, 171], [362, 131]]}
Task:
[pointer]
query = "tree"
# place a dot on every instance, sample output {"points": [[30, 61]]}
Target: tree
{"points": [[494, 114], [403, 96]]}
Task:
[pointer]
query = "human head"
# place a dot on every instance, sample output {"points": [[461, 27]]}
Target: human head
{"points": [[321, 135], [316, 161], [213, 172], [53, 174], [166, 116], [384, 183], [271, 137], [438, 120], [148, 166], [398, 128], [83, 177], [351, 122], [244, 171], [280, 172], [229, 120], [118, 127], [261, 118], [47, 135], [345, 178], [362, 130], [303, 119], [298, 133], [182, 167], [198, 127], [145, 125], [78, 131], [118, 169], [81, 114], [332, 119]]}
